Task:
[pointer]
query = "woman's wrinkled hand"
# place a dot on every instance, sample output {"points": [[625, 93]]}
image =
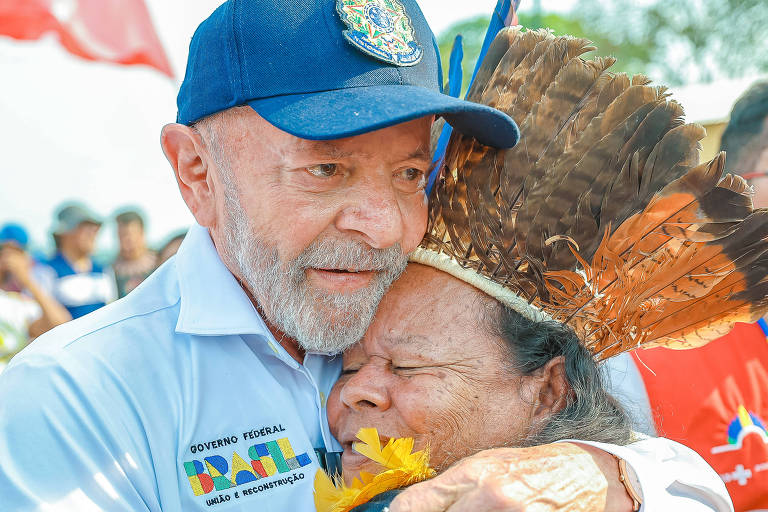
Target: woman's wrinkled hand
{"points": [[556, 477]]}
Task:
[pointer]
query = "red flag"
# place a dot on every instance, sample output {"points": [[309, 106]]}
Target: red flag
{"points": [[117, 31]]}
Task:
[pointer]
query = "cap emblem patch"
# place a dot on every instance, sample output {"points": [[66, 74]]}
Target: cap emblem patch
{"points": [[380, 28]]}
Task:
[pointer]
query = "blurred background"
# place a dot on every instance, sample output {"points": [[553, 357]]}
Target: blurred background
{"points": [[77, 129]]}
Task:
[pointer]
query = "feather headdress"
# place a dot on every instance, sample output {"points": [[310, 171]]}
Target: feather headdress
{"points": [[601, 217]]}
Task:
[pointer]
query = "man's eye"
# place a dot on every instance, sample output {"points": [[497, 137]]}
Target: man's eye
{"points": [[412, 174], [323, 170], [411, 179], [349, 371]]}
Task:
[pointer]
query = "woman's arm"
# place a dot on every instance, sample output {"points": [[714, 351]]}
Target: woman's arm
{"points": [[572, 477]]}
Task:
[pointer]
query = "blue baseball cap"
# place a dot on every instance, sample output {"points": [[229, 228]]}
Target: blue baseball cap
{"points": [[327, 69], [14, 233]]}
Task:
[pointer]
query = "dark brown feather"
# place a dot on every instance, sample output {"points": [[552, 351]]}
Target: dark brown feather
{"points": [[508, 37], [602, 215]]}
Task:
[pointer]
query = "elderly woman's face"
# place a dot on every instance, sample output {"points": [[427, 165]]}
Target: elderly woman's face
{"points": [[429, 368]]}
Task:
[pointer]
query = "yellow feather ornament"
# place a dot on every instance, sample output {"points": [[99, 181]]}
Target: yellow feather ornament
{"points": [[401, 467]]}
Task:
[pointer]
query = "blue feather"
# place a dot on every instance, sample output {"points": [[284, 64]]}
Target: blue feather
{"points": [[498, 21]]}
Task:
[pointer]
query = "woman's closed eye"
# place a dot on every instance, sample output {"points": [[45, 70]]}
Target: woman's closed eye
{"points": [[406, 369], [349, 371]]}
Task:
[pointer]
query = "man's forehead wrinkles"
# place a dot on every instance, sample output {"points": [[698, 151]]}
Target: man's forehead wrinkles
{"points": [[327, 148], [334, 150]]}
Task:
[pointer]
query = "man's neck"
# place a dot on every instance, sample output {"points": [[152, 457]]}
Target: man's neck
{"points": [[133, 255], [80, 262], [289, 344]]}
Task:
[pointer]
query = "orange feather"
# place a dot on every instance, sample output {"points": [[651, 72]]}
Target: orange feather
{"points": [[602, 215]]}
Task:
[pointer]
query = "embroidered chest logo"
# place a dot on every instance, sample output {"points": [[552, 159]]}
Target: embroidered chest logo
{"points": [[380, 28], [267, 464]]}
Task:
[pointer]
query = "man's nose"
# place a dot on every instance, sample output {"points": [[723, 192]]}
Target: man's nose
{"points": [[366, 389], [373, 213]]}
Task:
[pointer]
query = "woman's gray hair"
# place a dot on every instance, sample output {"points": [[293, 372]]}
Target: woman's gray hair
{"points": [[590, 413]]}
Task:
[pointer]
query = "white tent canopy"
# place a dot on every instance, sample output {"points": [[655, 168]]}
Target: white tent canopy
{"points": [[711, 103]]}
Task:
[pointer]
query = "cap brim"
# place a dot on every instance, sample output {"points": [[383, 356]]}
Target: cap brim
{"points": [[63, 228], [348, 112]]}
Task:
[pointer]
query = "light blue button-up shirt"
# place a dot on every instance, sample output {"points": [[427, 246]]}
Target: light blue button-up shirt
{"points": [[175, 398]]}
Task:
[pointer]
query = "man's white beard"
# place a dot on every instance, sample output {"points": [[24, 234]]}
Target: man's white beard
{"points": [[319, 321]]}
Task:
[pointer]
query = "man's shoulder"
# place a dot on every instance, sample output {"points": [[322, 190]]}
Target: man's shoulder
{"points": [[58, 264], [146, 316], [123, 361]]}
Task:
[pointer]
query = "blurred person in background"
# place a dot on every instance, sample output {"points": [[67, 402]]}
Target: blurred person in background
{"points": [[171, 246], [135, 261], [714, 398], [745, 140], [80, 283], [26, 308], [13, 235]]}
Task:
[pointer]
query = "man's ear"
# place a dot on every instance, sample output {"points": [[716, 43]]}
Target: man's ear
{"points": [[185, 151], [553, 390]]}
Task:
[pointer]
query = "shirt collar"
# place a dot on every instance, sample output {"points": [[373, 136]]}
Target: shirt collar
{"points": [[212, 301]]}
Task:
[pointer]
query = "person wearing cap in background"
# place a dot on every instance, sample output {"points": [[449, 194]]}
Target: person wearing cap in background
{"points": [[302, 148], [26, 308], [135, 261], [80, 283], [15, 239], [745, 140], [720, 408]]}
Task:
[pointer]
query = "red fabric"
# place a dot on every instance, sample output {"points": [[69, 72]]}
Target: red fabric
{"points": [[696, 395], [117, 31]]}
